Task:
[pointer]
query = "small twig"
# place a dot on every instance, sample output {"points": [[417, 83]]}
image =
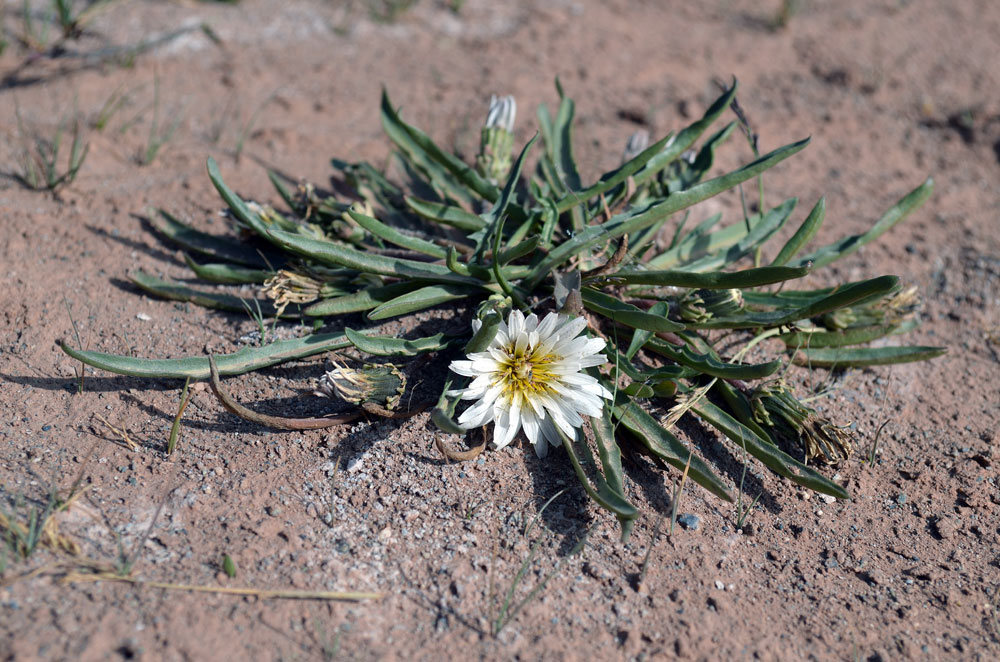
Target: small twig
{"points": [[460, 456], [379, 410], [277, 422], [613, 262]]}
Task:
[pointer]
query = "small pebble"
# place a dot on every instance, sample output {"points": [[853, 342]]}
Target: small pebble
{"points": [[689, 521], [719, 585], [355, 463], [143, 316]]}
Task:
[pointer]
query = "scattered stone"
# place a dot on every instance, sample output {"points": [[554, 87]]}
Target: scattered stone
{"points": [[143, 317], [719, 585], [355, 463], [689, 521], [945, 527]]}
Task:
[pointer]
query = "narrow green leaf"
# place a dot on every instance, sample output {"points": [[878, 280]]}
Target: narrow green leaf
{"points": [[642, 336], [424, 297], [328, 252], [366, 299], [802, 236], [664, 445], [394, 236], [440, 212], [227, 273], [444, 411], [235, 203], [710, 365], [714, 280], [579, 454], [636, 220], [614, 178], [772, 457], [619, 311], [858, 357], [247, 359], [217, 247], [390, 346], [819, 337], [686, 137], [762, 228], [848, 245], [174, 291], [443, 168]]}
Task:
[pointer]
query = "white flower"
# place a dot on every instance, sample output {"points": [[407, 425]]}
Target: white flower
{"points": [[531, 376]]}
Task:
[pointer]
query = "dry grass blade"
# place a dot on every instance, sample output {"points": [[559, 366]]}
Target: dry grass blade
{"points": [[460, 456], [121, 432], [263, 594]]}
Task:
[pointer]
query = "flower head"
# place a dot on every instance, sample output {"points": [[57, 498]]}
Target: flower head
{"points": [[531, 376]]}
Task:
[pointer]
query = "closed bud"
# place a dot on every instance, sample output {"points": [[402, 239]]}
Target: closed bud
{"points": [[382, 384], [496, 145]]}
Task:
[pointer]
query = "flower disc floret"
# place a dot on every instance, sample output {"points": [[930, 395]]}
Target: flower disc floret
{"points": [[531, 377]]}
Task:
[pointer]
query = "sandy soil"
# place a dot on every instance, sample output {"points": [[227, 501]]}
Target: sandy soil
{"points": [[889, 91]]}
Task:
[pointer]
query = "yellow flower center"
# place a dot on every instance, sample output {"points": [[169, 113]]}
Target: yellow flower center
{"points": [[525, 373]]}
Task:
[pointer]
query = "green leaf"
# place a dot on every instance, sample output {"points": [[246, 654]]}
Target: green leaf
{"points": [[710, 365], [848, 245], [236, 205], [714, 280], [611, 462], [642, 336], [686, 137], [487, 332], [614, 178], [636, 220], [366, 299], [619, 311], [858, 357], [607, 498], [440, 212], [802, 236], [394, 236], [227, 273], [444, 411], [247, 359], [664, 445], [772, 457], [389, 346], [425, 297], [442, 168], [762, 228], [818, 337], [216, 247], [167, 289], [328, 252]]}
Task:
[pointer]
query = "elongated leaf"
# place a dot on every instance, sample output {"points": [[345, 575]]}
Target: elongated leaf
{"points": [[664, 445], [424, 297], [281, 186], [695, 246], [611, 463], [851, 294], [174, 291], [366, 299], [236, 205], [848, 245], [762, 229], [227, 273], [247, 359], [219, 248], [614, 178], [686, 137], [710, 365], [606, 497], [634, 221], [394, 236], [496, 215], [641, 336], [440, 212], [857, 357], [713, 280], [819, 337], [331, 253], [772, 457], [456, 178], [625, 313], [806, 231], [389, 346]]}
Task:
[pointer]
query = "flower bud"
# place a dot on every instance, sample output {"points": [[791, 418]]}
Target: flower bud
{"points": [[496, 144], [379, 384]]}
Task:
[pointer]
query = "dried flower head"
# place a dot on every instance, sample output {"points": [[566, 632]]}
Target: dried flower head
{"points": [[531, 376], [381, 384]]}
